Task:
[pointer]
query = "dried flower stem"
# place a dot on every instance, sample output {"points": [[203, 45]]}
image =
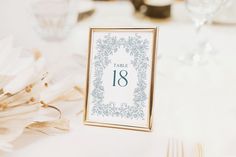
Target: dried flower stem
{"points": [[18, 114], [79, 89], [6, 96], [28, 88], [21, 104], [53, 107]]}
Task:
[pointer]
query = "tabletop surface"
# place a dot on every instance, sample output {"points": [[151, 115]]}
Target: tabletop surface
{"points": [[192, 103]]}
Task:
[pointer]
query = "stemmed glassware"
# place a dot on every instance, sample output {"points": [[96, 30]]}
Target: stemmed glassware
{"points": [[53, 19], [201, 12]]}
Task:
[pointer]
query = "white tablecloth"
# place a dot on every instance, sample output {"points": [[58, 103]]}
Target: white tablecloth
{"points": [[192, 103]]}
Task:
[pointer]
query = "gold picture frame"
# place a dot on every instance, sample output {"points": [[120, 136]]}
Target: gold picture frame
{"points": [[149, 107]]}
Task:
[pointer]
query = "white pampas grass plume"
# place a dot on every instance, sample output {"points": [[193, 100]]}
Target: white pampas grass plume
{"points": [[57, 89], [26, 77], [26, 89]]}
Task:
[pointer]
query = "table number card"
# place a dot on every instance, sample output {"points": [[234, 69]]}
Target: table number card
{"points": [[120, 78]]}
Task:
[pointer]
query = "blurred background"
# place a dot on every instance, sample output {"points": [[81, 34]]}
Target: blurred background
{"points": [[38, 23]]}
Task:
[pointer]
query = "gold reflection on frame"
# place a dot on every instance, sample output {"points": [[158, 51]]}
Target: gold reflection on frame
{"points": [[152, 80]]}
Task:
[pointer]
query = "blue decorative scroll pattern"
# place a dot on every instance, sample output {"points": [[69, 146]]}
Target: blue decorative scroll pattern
{"points": [[136, 47]]}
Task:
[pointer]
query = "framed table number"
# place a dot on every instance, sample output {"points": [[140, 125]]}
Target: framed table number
{"points": [[120, 78]]}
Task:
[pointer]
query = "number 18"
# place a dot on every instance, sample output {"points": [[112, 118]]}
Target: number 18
{"points": [[122, 81]]}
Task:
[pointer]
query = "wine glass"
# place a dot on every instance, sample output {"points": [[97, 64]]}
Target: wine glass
{"points": [[53, 19], [201, 12]]}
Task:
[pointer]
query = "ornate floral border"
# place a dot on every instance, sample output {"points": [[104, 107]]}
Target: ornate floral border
{"points": [[135, 46]]}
